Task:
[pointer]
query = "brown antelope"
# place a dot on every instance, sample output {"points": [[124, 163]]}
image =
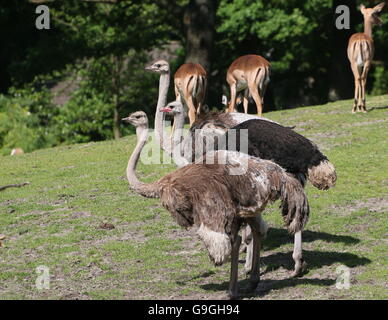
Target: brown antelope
{"points": [[250, 73], [190, 82], [17, 151], [360, 54]]}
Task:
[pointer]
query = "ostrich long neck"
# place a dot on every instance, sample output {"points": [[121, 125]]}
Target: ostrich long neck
{"points": [[147, 190], [160, 137], [174, 149]]}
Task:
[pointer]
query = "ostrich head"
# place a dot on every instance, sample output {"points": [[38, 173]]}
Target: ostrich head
{"points": [[371, 13], [137, 119], [159, 66], [173, 108]]}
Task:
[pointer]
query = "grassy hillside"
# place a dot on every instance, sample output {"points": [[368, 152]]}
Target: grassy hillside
{"points": [[56, 222]]}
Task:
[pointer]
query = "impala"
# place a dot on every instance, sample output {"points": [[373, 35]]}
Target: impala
{"points": [[360, 54], [250, 73], [190, 82]]}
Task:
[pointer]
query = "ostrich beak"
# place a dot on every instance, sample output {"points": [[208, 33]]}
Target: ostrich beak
{"points": [[165, 109], [149, 68], [127, 119]]}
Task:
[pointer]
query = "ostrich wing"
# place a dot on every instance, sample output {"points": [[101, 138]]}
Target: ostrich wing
{"points": [[271, 141]]}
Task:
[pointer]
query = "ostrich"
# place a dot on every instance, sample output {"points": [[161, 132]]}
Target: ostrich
{"points": [[212, 198], [266, 140], [284, 146]]}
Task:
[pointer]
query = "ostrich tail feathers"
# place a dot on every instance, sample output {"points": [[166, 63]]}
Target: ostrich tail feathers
{"points": [[322, 176], [295, 206]]}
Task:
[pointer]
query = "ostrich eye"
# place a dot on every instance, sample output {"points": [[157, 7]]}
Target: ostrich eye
{"points": [[157, 65]]}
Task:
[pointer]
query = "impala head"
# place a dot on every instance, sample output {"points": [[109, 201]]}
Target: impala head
{"points": [[137, 119], [159, 66], [371, 14], [173, 108]]}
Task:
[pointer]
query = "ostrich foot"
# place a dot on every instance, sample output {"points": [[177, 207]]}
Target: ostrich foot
{"points": [[252, 285], [300, 268], [233, 295]]}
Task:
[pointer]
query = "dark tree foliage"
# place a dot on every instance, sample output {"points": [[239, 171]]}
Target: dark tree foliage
{"points": [[91, 62]]}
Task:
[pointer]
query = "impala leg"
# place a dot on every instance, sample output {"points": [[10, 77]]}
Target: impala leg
{"points": [[363, 84], [233, 93], [192, 109], [246, 101], [264, 89], [254, 90], [233, 288], [201, 97], [300, 264], [356, 86]]}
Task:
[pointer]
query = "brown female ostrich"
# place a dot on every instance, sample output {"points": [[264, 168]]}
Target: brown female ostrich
{"points": [[216, 200]]}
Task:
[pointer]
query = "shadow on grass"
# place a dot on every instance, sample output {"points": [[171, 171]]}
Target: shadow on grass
{"points": [[199, 276], [314, 259], [278, 237], [265, 286], [377, 108]]}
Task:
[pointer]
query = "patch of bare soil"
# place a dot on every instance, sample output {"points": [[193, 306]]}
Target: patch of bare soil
{"points": [[106, 226], [364, 123], [372, 204]]}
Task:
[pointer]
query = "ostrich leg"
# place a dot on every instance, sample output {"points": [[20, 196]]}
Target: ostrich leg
{"points": [[247, 238], [236, 241], [300, 264], [255, 253]]}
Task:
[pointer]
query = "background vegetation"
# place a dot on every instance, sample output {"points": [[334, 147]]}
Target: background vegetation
{"points": [[74, 82]]}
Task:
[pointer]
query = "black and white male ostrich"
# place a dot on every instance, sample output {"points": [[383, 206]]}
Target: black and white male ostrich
{"points": [[216, 200], [266, 140]]}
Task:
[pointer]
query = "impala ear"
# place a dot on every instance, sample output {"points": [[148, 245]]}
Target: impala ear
{"points": [[379, 7], [362, 8]]}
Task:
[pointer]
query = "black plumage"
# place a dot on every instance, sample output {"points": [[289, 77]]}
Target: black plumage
{"points": [[282, 145]]}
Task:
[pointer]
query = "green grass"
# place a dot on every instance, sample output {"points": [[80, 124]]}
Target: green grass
{"points": [[55, 221]]}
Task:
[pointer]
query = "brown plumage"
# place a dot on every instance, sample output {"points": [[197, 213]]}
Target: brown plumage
{"points": [[218, 198]]}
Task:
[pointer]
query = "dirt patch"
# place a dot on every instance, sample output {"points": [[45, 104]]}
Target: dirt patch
{"points": [[364, 123], [372, 204], [106, 226]]}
